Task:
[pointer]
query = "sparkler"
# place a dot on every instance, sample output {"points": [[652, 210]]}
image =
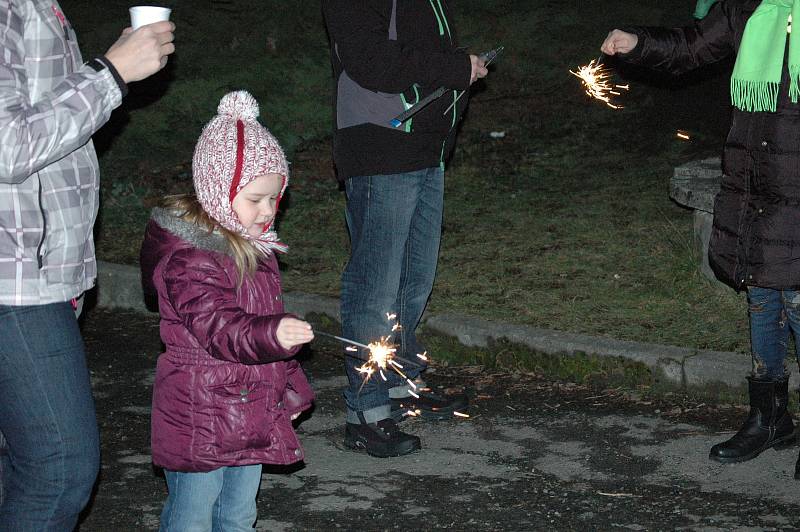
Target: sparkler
{"points": [[596, 81], [382, 356], [381, 353]]}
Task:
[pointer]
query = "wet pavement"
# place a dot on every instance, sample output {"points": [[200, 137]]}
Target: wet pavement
{"points": [[534, 455]]}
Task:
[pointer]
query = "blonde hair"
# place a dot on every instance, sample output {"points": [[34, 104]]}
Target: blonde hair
{"points": [[188, 208]]}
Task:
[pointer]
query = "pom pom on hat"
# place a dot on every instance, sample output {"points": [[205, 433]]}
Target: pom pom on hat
{"points": [[239, 105], [234, 144]]}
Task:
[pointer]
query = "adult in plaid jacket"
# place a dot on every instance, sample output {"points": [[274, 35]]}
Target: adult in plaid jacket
{"points": [[51, 102]]}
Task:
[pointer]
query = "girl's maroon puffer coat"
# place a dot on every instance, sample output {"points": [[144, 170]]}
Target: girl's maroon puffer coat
{"points": [[225, 390]]}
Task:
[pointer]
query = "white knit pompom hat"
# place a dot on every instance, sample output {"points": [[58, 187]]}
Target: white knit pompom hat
{"points": [[233, 149]]}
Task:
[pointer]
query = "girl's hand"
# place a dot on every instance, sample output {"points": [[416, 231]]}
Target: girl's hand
{"points": [[292, 332], [619, 42]]}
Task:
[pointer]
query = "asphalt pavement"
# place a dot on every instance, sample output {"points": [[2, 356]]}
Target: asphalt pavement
{"points": [[534, 455]]}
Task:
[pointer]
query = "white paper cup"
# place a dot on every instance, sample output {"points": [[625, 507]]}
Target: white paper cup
{"points": [[143, 15]]}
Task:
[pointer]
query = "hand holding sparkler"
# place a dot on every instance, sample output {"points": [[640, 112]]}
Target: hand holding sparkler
{"points": [[292, 332], [479, 69], [619, 42]]}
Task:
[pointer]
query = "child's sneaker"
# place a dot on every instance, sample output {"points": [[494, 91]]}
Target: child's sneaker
{"points": [[382, 439], [429, 405]]}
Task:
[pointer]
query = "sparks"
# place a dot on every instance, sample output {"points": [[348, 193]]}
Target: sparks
{"points": [[381, 355], [459, 414], [596, 81], [681, 134], [423, 356]]}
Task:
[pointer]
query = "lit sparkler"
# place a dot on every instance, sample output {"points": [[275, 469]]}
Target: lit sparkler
{"points": [[596, 81], [382, 356]]}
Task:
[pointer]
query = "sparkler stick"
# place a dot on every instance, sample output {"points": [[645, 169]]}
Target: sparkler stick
{"points": [[359, 344], [487, 57], [345, 340], [408, 113]]}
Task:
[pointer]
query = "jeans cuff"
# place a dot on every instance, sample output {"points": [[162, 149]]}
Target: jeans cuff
{"points": [[373, 415], [399, 392]]}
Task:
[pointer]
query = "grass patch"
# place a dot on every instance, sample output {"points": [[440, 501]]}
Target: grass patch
{"points": [[579, 368], [564, 223]]}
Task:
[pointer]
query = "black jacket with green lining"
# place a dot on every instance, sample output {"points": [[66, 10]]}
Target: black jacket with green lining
{"points": [[386, 55]]}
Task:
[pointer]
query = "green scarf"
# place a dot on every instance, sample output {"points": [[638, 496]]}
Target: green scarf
{"points": [[702, 7], [759, 63]]}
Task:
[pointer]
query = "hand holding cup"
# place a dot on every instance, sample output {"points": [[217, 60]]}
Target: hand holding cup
{"points": [[142, 49]]}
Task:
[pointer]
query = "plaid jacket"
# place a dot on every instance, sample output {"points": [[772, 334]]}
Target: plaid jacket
{"points": [[50, 105]]}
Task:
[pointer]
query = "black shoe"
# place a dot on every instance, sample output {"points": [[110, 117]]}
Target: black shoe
{"points": [[382, 439], [429, 405], [768, 425]]}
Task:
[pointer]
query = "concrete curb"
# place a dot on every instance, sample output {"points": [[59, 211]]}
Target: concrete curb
{"points": [[119, 286]]}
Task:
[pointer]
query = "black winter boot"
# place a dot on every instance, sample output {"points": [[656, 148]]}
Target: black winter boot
{"points": [[768, 425]]}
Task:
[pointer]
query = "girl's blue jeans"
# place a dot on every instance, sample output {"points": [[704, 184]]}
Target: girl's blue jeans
{"points": [[47, 417], [223, 500], [774, 314], [395, 224]]}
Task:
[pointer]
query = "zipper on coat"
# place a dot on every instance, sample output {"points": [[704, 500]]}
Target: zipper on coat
{"points": [[438, 18], [39, 254], [441, 18]]}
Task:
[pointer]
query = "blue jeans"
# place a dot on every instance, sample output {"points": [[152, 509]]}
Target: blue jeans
{"points": [[223, 500], [773, 315], [47, 417], [395, 224]]}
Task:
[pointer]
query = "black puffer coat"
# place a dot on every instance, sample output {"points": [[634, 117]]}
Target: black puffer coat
{"points": [[755, 238]]}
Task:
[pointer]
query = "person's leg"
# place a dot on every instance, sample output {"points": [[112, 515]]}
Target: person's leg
{"points": [[47, 418], [419, 265], [379, 213], [5, 465], [769, 333], [235, 509], [416, 282], [792, 308], [190, 500], [768, 424], [791, 300]]}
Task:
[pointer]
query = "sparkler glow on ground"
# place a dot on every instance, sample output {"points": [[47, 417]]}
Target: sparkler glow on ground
{"points": [[596, 81]]}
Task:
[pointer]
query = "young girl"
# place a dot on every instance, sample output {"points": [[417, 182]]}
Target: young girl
{"points": [[755, 241], [226, 388]]}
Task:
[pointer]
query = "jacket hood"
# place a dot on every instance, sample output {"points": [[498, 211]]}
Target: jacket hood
{"points": [[165, 233]]}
